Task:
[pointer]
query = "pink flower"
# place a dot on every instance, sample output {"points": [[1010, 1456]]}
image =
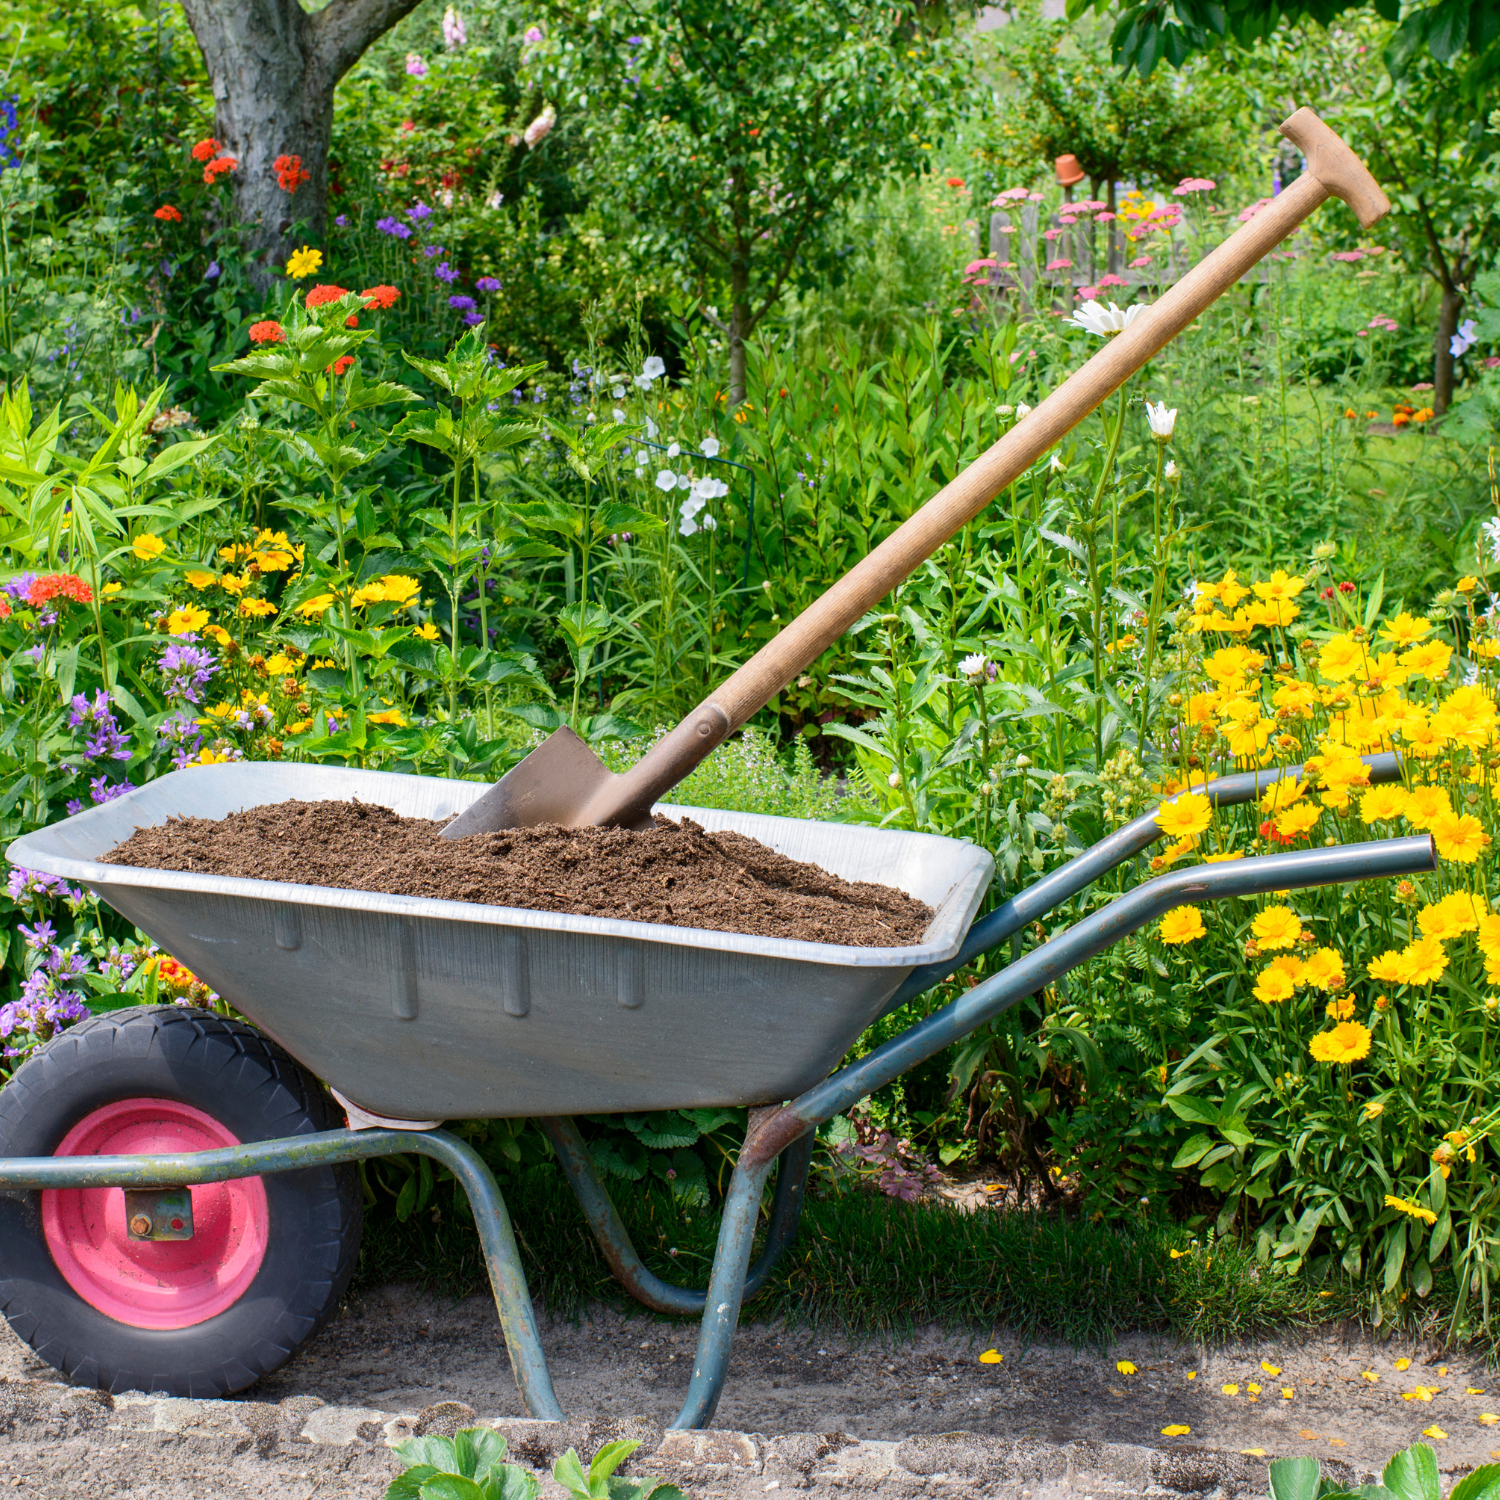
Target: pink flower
{"points": [[1036, 197], [1059, 265], [1088, 206], [1193, 185], [1010, 194], [541, 126], [454, 34], [533, 34], [1423, 385], [1139, 261], [979, 265], [1086, 293], [1051, 234], [1106, 218], [1349, 255], [1373, 249], [415, 66], [1249, 213], [1493, 362], [1110, 280]]}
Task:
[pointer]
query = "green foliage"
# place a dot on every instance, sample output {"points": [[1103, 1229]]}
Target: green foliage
{"points": [[470, 1466]]}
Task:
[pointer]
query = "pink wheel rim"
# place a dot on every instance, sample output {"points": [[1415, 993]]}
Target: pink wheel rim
{"points": [[155, 1283]]}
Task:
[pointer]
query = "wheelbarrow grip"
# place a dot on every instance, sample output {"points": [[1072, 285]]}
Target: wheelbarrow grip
{"points": [[1067, 880], [1039, 968]]}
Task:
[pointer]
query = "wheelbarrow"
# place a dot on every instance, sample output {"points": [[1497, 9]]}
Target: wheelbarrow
{"points": [[179, 1210]]}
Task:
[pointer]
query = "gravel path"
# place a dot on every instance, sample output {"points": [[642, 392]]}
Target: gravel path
{"points": [[803, 1409]]}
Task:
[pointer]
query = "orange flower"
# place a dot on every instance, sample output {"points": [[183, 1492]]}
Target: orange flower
{"points": [[206, 149], [324, 294], [66, 585], [1400, 419], [218, 167], [342, 363], [290, 174], [169, 214], [269, 332], [380, 297]]}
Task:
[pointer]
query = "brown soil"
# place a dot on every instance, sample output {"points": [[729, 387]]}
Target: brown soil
{"points": [[674, 873]]}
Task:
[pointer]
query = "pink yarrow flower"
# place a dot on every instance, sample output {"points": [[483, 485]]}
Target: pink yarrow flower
{"points": [[1246, 214], [1060, 265], [1193, 185]]}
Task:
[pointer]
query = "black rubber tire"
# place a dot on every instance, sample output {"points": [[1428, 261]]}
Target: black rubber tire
{"points": [[257, 1091]]}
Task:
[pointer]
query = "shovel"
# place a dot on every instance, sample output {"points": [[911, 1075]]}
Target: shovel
{"points": [[562, 781]]}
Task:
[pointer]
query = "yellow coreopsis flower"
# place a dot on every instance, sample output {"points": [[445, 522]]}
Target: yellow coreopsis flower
{"points": [[303, 262], [1276, 927], [199, 580], [1406, 629], [1183, 925], [317, 605], [1229, 590], [1273, 986], [1459, 838], [1389, 968], [427, 631], [1383, 804], [1280, 586], [1341, 1009], [399, 589], [392, 716], [1340, 658], [1231, 663], [1426, 803], [1296, 821], [1324, 970], [1290, 965], [146, 546], [1423, 961], [257, 608], [1346, 1043], [1185, 816], [1429, 660], [1283, 793], [186, 619], [1416, 1211]]}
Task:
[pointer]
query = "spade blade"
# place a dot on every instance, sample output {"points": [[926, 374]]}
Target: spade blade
{"points": [[554, 784]]}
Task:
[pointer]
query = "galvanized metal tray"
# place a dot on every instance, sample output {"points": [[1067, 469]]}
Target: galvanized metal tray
{"points": [[431, 1010]]}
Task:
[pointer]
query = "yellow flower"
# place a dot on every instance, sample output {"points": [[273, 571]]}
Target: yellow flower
{"points": [[1460, 912], [1219, 859], [1461, 839], [1274, 986], [387, 716], [1389, 968], [300, 727], [1422, 1393], [1406, 629], [371, 593], [991, 1357], [1416, 1211], [1374, 1109], [1423, 961], [146, 546], [317, 605], [1487, 1419], [1340, 1010], [200, 580], [257, 608], [1297, 820], [1281, 586], [303, 262], [283, 663], [206, 757], [1382, 804], [111, 588], [400, 589], [1346, 1043], [1430, 660], [1424, 803], [217, 633], [1340, 658], [1229, 664], [1228, 590], [1184, 924], [186, 619], [1467, 585], [1125, 1367], [427, 631], [1324, 970], [1281, 794], [1276, 927], [1176, 1429], [1185, 816], [1290, 965], [1249, 736]]}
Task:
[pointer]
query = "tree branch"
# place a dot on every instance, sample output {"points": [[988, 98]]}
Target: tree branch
{"points": [[345, 28]]}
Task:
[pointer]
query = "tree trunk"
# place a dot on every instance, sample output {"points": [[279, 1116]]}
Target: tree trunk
{"points": [[1113, 241], [1449, 308], [274, 68]]}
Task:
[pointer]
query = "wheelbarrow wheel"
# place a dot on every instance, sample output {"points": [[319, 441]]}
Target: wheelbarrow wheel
{"points": [[269, 1258]]}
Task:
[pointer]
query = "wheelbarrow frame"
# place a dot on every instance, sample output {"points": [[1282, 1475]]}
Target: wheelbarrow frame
{"points": [[784, 1132]]}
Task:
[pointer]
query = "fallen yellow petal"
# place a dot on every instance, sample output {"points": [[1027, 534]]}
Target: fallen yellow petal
{"points": [[1192, 1374], [1403, 1364], [1422, 1393], [1369, 1375], [1124, 1367], [1269, 1368], [990, 1357], [1474, 1390], [1177, 1429], [1434, 1432], [1337, 1443], [1442, 1369], [1253, 1388], [1488, 1419], [1230, 1390], [1311, 1437], [1287, 1393], [1254, 1452]]}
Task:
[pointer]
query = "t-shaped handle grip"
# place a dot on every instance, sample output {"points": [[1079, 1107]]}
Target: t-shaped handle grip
{"points": [[1337, 167]]}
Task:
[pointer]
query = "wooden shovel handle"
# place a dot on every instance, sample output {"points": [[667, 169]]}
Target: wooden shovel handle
{"points": [[1333, 171]]}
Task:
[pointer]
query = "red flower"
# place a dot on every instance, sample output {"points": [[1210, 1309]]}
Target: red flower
{"points": [[69, 585], [290, 173], [169, 214], [380, 297], [341, 364], [269, 332], [955, 182], [321, 294], [4, 607], [218, 166], [1268, 831], [1346, 587], [206, 149]]}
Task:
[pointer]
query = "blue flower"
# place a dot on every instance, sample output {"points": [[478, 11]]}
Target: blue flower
{"points": [[461, 304], [445, 272], [395, 227], [473, 319], [212, 272], [342, 221], [431, 251], [419, 211]]}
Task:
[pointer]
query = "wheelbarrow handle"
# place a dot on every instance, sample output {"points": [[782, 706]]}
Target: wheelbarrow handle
{"points": [[1124, 843], [1126, 914]]}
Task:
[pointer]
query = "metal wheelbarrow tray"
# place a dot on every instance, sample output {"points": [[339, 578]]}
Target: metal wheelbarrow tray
{"points": [[566, 1013], [436, 1010]]}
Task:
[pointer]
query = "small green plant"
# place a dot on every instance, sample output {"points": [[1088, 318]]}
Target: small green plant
{"points": [[471, 1466], [1411, 1475]]}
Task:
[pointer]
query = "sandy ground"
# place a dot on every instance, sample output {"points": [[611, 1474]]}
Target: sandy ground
{"points": [[395, 1351]]}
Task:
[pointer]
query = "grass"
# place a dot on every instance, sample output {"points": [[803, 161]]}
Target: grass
{"points": [[872, 1265]]}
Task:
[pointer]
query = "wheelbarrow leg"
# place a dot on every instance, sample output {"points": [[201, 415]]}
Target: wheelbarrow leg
{"points": [[726, 1290], [614, 1239], [507, 1278]]}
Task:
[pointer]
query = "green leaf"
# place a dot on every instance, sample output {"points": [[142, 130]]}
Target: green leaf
{"points": [[477, 1450], [511, 1482], [434, 1451], [608, 1459], [1413, 1474], [1482, 1484], [568, 1472], [451, 1487], [1294, 1478], [408, 1486], [1193, 1149], [1194, 1110]]}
